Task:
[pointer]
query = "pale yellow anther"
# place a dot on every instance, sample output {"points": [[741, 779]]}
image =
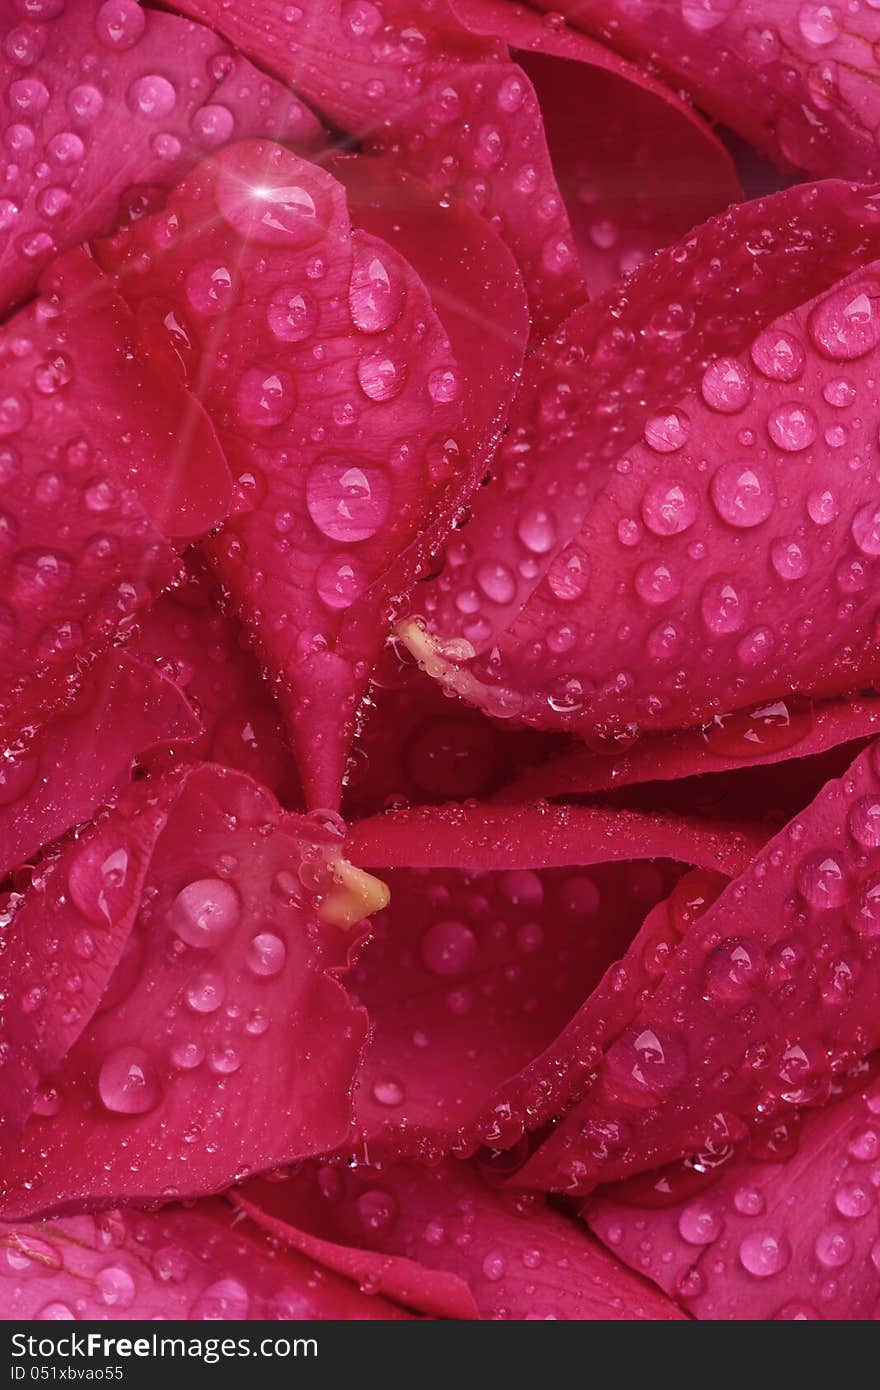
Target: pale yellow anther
{"points": [[354, 894]]}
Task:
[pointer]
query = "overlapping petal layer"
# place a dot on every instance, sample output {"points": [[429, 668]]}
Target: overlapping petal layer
{"points": [[786, 1231], [445, 1243], [170, 988], [770, 994], [483, 980], [106, 104], [97, 494], [337, 396], [682, 517]]}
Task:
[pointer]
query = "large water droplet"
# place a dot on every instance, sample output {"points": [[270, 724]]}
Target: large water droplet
{"points": [[205, 912], [346, 501], [448, 948], [743, 494], [846, 324], [128, 1083]]}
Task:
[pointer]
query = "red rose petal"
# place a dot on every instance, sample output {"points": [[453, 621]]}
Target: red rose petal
{"points": [[444, 1242], [787, 1231], [342, 416], [442, 102], [417, 745], [198, 1059], [479, 979], [191, 637], [772, 989], [775, 731], [636, 165], [83, 756], [700, 534], [194, 1265], [91, 488], [106, 106], [795, 79]]}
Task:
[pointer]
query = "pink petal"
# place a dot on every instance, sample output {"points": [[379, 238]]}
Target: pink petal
{"points": [[197, 1057], [480, 979], [194, 1265], [90, 488], [774, 988], [113, 103], [190, 637], [444, 1242], [690, 487], [342, 415], [83, 756], [787, 1230], [417, 745], [636, 165], [797, 80], [776, 731], [442, 102]]}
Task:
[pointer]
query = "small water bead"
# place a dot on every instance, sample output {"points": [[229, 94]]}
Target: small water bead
{"points": [[496, 581], [186, 1055], [339, 581], [846, 324], [119, 24], [705, 15], [536, 529], [668, 508], [822, 879], [667, 432], [778, 355], [864, 1144], [866, 910], [650, 1059], [724, 606], [224, 1061], [743, 494], [210, 288], [792, 426], [388, 1092], [266, 954], [166, 146], [443, 385], [205, 912], [28, 96], [224, 1301], [854, 1200], [377, 1210], [15, 413], [818, 23], [764, 1253], [864, 821], [866, 529], [448, 948], [128, 1083], [656, 583], [345, 501], [376, 293], [822, 506], [116, 1286], [726, 386], [152, 97], [292, 315], [41, 574], [53, 202], [569, 575], [789, 559], [380, 377], [748, 1201], [265, 397], [206, 993], [698, 1225], [213, 124], [85, 102], [834, 1247]]}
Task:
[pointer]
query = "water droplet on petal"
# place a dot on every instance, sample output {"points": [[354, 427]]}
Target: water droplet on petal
{"points": [[127, 1082]]}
